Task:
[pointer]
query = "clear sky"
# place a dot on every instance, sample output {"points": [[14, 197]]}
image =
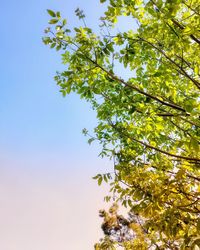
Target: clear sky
{"points": [[47, 198]]}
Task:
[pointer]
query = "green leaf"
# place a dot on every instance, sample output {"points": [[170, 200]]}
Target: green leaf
{"points": [[105, 178], [64, 22], [130, 203], [58, 47], [53, 21], [100, 180], [58, 15], [51, 13], [53, 45], [96, 177], [194, 144], [90, 140]]}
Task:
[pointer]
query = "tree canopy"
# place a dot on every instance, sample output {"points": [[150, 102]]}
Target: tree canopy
{"points": [[148, 116]]}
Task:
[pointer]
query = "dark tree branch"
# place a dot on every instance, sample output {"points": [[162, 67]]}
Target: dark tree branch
{"points": [[181, 70], [155, 148]]}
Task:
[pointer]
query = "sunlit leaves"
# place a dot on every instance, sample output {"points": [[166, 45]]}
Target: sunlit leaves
{"points": [[144, 86]]}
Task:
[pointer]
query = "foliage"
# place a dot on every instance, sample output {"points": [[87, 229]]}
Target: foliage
{"points": [[148, 122], [120, 230]]}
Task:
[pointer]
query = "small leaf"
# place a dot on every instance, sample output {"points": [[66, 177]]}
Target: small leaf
{"points": [[53, 21], [129, 203], [51, 13], [53, 45], [100, 180], [58, 14], [58, 47], [90, 140], [105, 178], [64, 22], [96, 177]]}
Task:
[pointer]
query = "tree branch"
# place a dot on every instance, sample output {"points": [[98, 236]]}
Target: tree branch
{"points": [[155, 148], [182, 71]]}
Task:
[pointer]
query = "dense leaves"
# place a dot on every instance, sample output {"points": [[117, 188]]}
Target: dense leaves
{"points": [[149, 115]]}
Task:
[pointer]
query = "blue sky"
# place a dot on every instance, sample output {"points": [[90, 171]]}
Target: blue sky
{"points": [[46, 164], [34, 116]]}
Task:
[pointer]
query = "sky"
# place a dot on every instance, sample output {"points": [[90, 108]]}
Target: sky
{"points": [[48, 200]]}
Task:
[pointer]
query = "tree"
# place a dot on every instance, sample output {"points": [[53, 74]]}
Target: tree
{"points": [[148, 123]]}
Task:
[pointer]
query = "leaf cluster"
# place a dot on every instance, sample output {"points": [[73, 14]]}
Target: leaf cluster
{"points": [[148, 117]]}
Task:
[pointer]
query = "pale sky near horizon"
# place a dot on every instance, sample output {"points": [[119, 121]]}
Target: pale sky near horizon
{"points": [[48, 200]]}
